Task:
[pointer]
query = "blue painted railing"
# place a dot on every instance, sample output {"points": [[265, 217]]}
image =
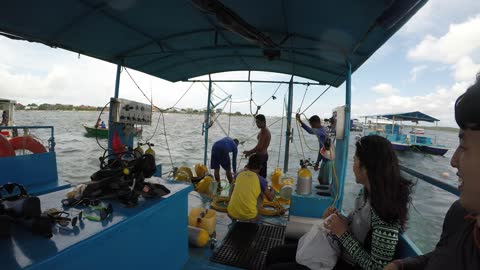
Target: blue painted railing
{"points": [[37, 172], [51, 140], [408, 247], [440, 184]]}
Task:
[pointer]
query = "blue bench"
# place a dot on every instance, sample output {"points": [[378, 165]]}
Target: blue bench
{"points": [[37, 172]]}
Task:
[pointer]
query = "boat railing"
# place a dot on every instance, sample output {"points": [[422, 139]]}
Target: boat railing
{"points": [[41, 176], [26, 129], [433, 181], [409, 246]]}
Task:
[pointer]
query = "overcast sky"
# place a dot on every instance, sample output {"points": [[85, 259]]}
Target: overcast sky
{"points": [[425, 66]]}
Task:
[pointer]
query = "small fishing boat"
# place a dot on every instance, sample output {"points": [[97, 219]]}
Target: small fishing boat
{"points": [[425, 144], [414, 139], [355, 125], [102, 133], [399, 146], [418, 131], [96, 132]]}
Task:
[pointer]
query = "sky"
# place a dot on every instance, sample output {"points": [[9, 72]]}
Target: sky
{"points": [[425, 66]]}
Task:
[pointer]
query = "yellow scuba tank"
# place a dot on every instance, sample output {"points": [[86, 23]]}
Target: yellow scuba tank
{"points": [[150, 149], [197, 237], [304, 181], [275, 178], [205, 185], [200, 170], [203, 218], [183, 173]]}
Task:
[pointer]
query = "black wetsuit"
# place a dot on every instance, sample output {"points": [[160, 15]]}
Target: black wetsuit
{"points": [[456, 248]]}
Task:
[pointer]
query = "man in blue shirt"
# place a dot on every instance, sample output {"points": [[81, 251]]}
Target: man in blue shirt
{"points": [[221, 157], [318, 130]]}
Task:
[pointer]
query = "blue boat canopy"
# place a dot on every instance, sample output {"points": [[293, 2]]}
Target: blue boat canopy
{"points": [[410, 116], [178, 39]]}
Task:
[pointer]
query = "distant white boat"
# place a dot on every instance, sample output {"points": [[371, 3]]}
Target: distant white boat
{"points": [[418, 131]]}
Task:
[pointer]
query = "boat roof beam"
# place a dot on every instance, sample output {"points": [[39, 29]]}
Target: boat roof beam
{"points": [[255, 81], [230, 44]]}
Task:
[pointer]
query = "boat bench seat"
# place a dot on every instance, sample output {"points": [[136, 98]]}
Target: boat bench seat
{"points": [[38, 173]]}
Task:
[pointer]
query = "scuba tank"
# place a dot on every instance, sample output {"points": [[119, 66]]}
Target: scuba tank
{"points": [[183, 173], [200, 170], [275, 178], [206, 185], [304, 179], [197, 237], [286, 187], [150, 150], [138, 152]]}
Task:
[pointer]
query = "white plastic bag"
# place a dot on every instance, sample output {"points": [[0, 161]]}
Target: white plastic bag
{"points": [[317, 249]]}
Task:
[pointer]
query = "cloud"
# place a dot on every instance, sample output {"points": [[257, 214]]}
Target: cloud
{"points": [[385, 89], [457, 50], [436, 15], [465, 69], [70, 84], [439, 104], [31, 72], [416, 70], [460, 40]]}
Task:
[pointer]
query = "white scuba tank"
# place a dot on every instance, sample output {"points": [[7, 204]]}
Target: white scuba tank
{"points": [[286, 187], [304, 181]]}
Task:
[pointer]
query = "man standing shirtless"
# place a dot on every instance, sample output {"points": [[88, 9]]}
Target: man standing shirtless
{"points": [[261, 148]]}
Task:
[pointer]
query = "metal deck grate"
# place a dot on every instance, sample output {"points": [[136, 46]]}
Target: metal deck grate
{"points": [[247, 244]]}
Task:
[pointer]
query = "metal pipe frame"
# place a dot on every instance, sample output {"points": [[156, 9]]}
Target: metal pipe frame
{"points": [[51, 140], [116, 95], [207, 120], [255, 81], [346, 137], [289, 125]]}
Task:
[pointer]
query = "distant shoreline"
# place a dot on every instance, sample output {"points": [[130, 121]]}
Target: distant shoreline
{"points": [[168, 112], [448, 129]]}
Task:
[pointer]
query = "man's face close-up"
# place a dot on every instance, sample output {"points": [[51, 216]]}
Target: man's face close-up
{"points": [[467, 161]]}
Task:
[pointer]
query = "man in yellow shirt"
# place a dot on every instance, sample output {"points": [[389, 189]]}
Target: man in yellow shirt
{"points": [[247, 192]]}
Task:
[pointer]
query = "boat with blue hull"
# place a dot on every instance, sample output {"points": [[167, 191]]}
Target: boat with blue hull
{"points": [[177, 41], [393, 131], [425, 144]]}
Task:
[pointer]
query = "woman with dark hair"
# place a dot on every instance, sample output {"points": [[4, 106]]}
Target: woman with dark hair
{"points": [[369, 235]]}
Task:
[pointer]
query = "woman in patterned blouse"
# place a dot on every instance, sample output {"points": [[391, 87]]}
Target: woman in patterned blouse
{"points": [[369, 235]]}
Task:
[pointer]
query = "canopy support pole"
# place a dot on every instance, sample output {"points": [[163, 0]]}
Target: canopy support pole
{"points": [[207, 119], [117, 80], [110, 123], [288, 131], [342, 148]]}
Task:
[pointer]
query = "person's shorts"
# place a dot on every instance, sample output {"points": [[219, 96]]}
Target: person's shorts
{"points": [[263, 171], [220, 158]]}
